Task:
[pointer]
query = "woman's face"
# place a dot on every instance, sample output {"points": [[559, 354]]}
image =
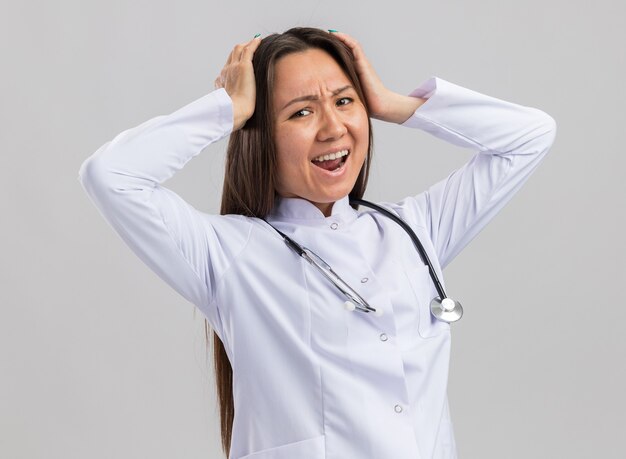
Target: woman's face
{"points": [[317, 113]]}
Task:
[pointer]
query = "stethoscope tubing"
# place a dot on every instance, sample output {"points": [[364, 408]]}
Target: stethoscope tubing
{"points": [[442, 307], [416, 242], [313, 259]]}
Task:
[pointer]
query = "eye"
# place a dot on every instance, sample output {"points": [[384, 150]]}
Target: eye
{"points": [[345, 101], [300, 113]]}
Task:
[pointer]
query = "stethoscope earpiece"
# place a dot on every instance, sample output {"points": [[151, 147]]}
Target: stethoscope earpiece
{"points": [[447, 309]]}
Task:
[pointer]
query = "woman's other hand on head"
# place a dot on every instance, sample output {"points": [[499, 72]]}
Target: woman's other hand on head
{"points": [[237, 78], [383, 103]]}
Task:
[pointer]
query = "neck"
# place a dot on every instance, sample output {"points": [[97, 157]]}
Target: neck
{"points": [[325, 207]]}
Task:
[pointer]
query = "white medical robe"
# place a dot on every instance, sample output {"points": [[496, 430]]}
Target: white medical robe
{"points": [[313, 380]]}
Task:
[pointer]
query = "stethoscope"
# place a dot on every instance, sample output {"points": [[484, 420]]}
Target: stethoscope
{"points": [[441, 307]]}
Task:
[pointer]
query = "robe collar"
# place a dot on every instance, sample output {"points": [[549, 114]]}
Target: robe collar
{"points": [[301, 210]]}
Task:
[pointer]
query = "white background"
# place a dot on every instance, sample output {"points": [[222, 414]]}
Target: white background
{"points": [[101, 359]]}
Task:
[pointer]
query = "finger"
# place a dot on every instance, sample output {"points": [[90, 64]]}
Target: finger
{"points": [[230, 57], [352, 43], [235, 54], [249, 50], [219, 82]]}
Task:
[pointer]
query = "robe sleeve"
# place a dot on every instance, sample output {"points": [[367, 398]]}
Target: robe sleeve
{"points": [[509, 141], [186, 248]]}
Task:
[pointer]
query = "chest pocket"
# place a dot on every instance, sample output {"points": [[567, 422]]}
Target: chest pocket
{"points": [[312, 448], [424, 291]]}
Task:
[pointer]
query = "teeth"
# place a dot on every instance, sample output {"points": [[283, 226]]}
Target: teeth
{"points": [[330, 156]]}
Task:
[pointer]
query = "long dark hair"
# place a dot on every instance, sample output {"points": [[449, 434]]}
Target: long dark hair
{"points": [[250, 177]]}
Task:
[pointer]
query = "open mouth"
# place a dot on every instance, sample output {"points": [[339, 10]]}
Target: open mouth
{"points": [[333, 161]]}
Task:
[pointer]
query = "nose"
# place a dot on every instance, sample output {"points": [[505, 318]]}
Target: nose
{"points": [[331, 126]]}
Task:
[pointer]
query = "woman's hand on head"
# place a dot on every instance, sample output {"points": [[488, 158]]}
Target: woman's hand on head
{"points": [[237, 78], [383, 103]]}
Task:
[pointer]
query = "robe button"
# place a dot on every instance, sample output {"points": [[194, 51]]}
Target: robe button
{"points": [[383, 337], [364, 280], [334, 226], [398, 408]]}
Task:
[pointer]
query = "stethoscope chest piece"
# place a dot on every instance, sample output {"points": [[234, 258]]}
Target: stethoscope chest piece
{"points": [[447, 309]]}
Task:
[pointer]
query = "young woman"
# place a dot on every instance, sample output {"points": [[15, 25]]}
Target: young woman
{"points": [[310, 363]]}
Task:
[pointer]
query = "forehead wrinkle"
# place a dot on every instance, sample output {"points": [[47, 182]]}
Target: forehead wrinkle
{"points": [[298, 80], [315, 95]]}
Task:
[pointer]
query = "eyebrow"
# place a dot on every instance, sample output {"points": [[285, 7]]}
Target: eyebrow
{"points": [[314, 97]]}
